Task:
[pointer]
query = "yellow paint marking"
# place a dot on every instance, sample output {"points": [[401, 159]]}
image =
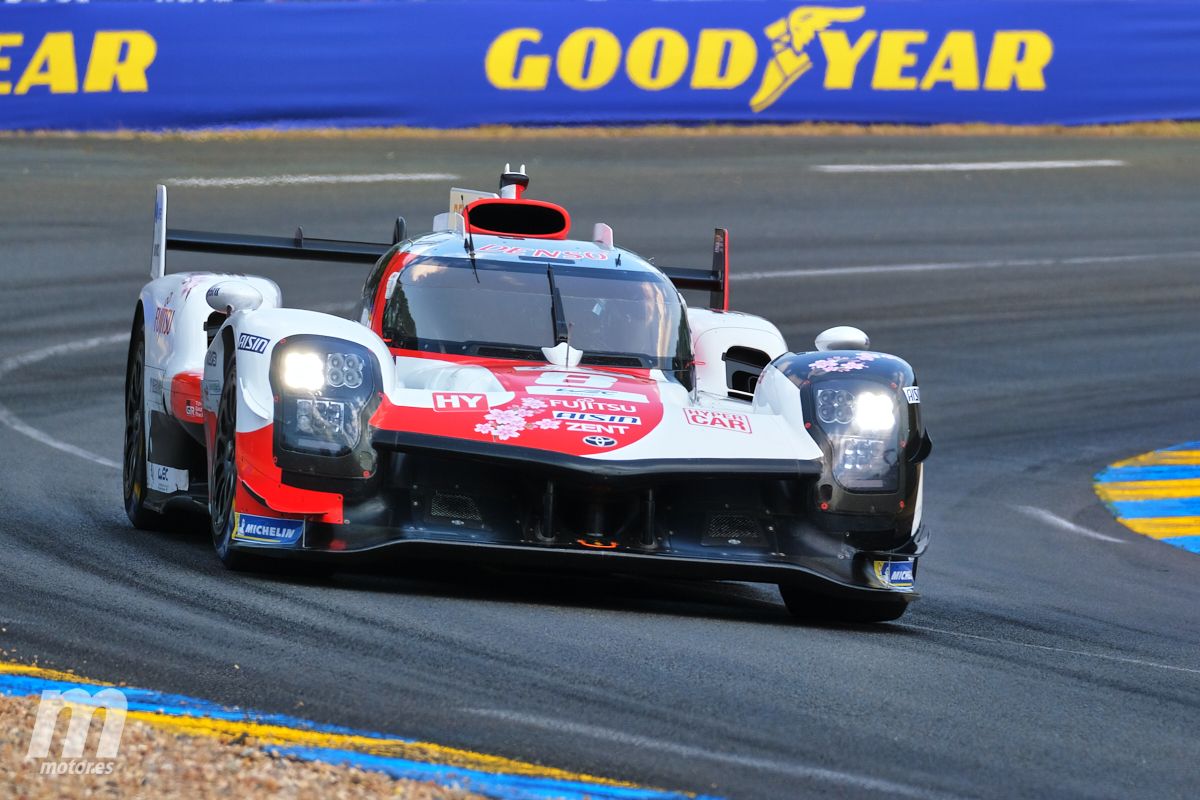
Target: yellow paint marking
{"points": [[46, 674], [1162, 458], [1148, 490], [1163, 527], [281, 736]]}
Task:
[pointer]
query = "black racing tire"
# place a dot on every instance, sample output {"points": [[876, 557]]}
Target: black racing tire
{"points": [[133, 464], [812, 607], [223, 480]]}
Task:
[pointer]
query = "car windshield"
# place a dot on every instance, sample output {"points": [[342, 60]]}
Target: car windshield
{"points": [[505, 309]]}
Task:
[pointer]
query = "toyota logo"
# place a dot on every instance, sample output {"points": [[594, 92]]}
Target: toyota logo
{"points": [[599, 441]]}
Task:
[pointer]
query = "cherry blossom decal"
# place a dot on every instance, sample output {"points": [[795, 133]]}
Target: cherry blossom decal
{"points": [[509, 423], [844, 363]]}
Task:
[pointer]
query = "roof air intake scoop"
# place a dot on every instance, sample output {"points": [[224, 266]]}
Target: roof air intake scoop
{"points": [[511, 214]]}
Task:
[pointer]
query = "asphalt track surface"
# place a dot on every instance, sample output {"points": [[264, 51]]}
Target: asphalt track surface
{"points": [[1053, 317]]}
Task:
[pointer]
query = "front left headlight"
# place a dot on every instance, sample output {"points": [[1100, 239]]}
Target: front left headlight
{"points": [[861, 421], [325, 386]]}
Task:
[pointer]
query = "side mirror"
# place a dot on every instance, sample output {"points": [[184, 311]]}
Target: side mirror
{"points": [[229, 297], [843, 337]]}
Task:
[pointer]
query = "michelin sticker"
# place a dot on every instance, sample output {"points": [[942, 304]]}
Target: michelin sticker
{"points": [[267, 531], [895, 574]]}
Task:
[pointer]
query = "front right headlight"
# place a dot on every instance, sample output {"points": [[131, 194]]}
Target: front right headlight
{"points": [[861, 421]]}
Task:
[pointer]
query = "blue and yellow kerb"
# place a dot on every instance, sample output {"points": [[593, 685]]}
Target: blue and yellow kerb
{"points": [[290, 737], [1157, 494]]}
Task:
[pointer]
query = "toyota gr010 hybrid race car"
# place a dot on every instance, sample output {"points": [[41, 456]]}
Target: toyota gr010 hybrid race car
{"points": [[507, 394]]}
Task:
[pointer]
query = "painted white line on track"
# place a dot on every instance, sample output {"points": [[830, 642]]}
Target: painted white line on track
{"points": [[1067, 651], [1066, 524], [11, 420], [704, 753], [296, 180], [950, 266], [970, 166]]}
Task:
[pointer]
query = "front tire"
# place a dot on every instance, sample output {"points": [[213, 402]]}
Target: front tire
{"points": [[814, 607], [223, 478], [222, 496], [133, 465]]}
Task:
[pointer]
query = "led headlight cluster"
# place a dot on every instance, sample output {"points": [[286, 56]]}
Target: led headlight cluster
{"points": [[344, 369], [835, 406], [868, 411], [307, 371], [326, 418], [326, 386], [860, 421]]}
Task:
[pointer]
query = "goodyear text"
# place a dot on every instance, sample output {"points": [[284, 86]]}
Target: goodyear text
{"points": [[58, 63], [853, 55]]}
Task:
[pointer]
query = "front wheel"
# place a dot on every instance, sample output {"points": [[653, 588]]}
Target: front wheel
{"points": [[223, 478], [814, 607], [133, 465]]}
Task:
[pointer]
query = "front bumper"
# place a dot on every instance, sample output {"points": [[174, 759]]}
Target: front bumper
{"points": [[432, 498]]}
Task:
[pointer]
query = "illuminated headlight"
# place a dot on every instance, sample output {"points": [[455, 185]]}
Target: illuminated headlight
{"points": [[308, 372], [865, 464], [304, 371], [860, 420], [869, 411], [874, 411], [327, 385]]}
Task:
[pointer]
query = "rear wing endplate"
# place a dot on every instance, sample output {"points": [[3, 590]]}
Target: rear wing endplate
{"points": [[714, 281], [158, 255]]}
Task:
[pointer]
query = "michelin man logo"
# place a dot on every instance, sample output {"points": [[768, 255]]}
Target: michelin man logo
{"points": [[789, 36]]}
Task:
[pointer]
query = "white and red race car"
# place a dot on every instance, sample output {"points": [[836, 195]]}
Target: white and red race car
{"points": [[508, 394]]}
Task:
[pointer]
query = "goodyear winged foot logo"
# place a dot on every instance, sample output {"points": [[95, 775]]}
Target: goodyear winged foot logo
{"points": [[841, 39], [789, 36]]}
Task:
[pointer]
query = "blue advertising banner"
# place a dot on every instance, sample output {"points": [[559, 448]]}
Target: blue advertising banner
{"points": [[455, 63]]}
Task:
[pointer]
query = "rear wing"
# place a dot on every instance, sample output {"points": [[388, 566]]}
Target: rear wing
{"points": [[714, 281], [299, 246]]}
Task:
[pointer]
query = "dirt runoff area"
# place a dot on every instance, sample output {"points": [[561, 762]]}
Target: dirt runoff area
{"points": [[156, 763]]}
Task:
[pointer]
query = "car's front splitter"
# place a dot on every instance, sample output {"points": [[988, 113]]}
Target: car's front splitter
{"points": [[860, 574]]}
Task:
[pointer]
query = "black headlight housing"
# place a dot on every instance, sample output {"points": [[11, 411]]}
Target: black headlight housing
{"points": [[862, 423], [326, 390], [863, 409]]}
